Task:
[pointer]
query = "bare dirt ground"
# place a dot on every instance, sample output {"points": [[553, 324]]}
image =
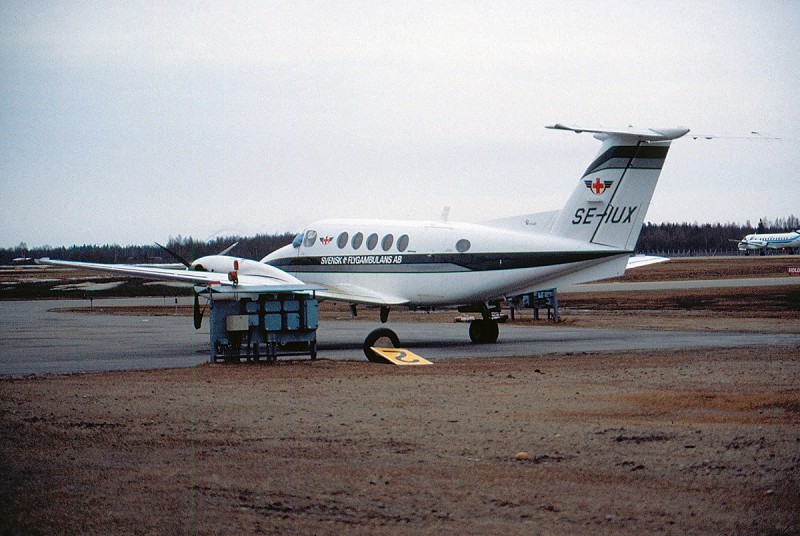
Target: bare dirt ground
{"points": [[689, 442]]}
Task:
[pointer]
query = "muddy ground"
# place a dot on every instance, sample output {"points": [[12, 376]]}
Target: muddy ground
{"points": [[689, 442]]}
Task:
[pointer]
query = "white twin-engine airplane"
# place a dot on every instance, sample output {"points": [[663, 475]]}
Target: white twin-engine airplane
{"points": [[439, 263], [762, 242]]}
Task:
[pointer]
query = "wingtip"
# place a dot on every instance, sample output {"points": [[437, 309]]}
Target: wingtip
{"points": [[562, 126]]}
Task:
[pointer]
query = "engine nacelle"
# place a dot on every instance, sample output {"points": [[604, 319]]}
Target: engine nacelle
{"points": [[225, 264]]}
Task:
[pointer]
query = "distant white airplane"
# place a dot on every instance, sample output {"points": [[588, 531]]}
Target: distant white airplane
{"points": [[762, 242], [392, 263]]}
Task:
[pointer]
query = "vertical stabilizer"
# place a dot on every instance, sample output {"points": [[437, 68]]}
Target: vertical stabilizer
{"points": [[610, 202]]}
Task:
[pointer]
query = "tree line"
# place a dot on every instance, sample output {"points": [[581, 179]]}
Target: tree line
{"points": [[694, 239], [669, 239], [252, 247]]}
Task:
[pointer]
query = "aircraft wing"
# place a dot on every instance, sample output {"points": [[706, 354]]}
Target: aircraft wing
{"points": [[220, 281], [355, 294], [637, 261]]}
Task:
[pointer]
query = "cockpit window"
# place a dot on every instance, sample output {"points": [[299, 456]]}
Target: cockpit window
{"points": [[311, 238], [298, 240]]}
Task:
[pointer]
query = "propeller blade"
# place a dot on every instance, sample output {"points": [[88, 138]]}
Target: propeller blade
{"points": [[198, 314], [228, 249], [175, 255]]}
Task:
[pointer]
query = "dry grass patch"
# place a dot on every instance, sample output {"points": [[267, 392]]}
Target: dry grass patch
{"points": [[711, 406]]}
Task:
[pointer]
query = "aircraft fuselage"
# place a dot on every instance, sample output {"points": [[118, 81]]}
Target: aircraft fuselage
{"points": [[440, 263], [770, 241]]}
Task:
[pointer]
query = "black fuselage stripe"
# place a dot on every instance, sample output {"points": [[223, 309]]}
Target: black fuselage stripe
{"points": [[436, 263]]}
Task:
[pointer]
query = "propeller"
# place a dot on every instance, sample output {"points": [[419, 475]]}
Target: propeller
{"points": [[176, 256], [188, 264], [197, 314]]}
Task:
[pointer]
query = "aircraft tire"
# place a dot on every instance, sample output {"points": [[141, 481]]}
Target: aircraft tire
{"points": [[483, 331], [374, 336]]}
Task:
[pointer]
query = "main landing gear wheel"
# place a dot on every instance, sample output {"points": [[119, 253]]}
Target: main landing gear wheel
{"points": [[483, 331], [380, 338]]}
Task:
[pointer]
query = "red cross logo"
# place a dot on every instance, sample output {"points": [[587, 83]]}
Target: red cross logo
{"points": [[598, 187]]}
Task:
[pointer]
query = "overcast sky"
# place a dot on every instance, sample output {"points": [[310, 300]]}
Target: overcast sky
{"points": [[130, 122]]}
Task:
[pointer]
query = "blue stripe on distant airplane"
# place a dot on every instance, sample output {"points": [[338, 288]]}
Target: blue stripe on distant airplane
{"points": [[779, 240]]}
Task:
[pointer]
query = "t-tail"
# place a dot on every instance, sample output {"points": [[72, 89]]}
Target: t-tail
{"points": [[610, 203]]}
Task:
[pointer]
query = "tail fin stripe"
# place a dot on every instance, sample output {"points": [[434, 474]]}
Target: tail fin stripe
{"points": [[633, 156], [650, 157], [619, 157]]}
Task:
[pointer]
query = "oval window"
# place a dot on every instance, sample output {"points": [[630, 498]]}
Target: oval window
{"points": [[402, 243], [387, 242], [358, 239], [311, 238], [372, 241], [463, 245], [342, 240]]}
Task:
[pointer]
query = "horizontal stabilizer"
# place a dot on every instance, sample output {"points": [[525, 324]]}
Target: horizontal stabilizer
{"points": [[643, 134], [637, 261]]}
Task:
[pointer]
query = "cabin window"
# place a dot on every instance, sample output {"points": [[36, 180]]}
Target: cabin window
{"points": [[387, 242], [298, 240], [342, 240], [463, 245], [358, 238], [372, 241], [402, 243], [311, 238]]}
